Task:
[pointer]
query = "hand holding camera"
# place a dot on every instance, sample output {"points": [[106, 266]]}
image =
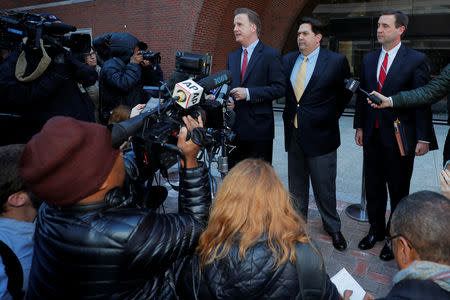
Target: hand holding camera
{"points": [[190, 149]]}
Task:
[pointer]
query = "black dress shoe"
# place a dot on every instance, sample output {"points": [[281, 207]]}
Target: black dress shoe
{"points": [[339, 242], [369, 241], [386, 253]]}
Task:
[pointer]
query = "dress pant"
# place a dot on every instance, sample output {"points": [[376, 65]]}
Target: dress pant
{"points": [[384, 165], [250, 149], [322, 172]]}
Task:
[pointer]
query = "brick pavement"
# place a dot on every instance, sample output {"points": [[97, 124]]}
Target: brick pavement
{"points": [[373, 274]]}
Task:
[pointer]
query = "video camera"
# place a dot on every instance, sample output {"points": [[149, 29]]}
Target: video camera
{"points": [[155, 132], [154, 58], [193, 63], [14, 26]]}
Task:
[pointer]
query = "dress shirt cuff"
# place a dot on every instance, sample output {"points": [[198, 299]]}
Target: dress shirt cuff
{"points": [[423, 141], [248, 95], [390, 100]]}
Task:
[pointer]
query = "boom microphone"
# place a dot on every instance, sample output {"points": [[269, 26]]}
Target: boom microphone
{"points": [[61, 28], [216, 80]]}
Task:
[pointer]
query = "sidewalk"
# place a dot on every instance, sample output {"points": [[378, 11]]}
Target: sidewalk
{"points": [[373, 274]]}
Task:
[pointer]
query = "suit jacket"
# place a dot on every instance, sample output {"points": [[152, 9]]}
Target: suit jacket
{"points": [[321, 104], [264, 80], [408, 71]]}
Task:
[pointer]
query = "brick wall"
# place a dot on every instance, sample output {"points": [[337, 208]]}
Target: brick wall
{"points": [[204, 26]]}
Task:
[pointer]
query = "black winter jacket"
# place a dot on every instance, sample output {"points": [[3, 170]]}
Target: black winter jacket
{"points": [[415, 289], [54, 93], [94, 251], [235, 278], [121, 81]]}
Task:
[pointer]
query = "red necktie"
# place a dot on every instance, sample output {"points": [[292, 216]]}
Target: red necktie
{"points": [[383, 72], [244, 65], [381, 78]]}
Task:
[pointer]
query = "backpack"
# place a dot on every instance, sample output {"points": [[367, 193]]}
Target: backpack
{"points": [[13, 270]]}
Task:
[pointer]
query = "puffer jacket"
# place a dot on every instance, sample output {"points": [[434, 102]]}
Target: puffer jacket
{"points": [[95, 251], [432, 92], [121, 81], [250, 278]]}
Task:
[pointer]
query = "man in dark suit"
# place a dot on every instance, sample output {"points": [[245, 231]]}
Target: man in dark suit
{"points": [[315, 99], [257, 80], [389, 70]]}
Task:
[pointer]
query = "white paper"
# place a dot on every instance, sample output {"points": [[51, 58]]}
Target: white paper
{"points": [[344, 281]]}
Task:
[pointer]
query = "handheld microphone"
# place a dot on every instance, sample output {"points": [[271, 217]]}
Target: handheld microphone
{"points": [[353, 85], [188, 93], [223, 92]]}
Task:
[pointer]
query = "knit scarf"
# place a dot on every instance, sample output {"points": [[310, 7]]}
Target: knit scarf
{"points": [[426, 270]]}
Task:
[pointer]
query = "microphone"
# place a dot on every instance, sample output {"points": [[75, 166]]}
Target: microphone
{"points": [[223, 92], [216, 80], [61, 28], [353, 85], [189, 92]]}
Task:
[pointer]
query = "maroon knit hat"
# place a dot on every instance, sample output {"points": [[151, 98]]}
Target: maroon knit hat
{"points": [[67, 160]]}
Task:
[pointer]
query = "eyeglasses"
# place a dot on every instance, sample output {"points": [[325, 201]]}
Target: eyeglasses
{"points": [[390, 238]]}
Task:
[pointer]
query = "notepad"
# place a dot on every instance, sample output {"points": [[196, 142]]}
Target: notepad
{"points": [[344, 281]]}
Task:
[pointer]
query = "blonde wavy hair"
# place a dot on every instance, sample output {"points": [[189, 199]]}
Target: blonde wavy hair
{"points": [[252, 201]]}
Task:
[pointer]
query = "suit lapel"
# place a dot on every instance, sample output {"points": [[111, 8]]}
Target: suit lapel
{"points": [[321, 63], [235, 67], [372, 71], [256, 55]]}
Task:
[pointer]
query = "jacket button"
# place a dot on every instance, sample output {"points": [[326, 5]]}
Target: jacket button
{"points": [[298, 104]]}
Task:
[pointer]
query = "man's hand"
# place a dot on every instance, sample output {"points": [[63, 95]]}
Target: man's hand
{"points": [[444, 180], [137, 110], [385, 102], [210, 97], [145, 63], [239, 93], [359, 137], [422, 148], [136, 58], [189, 148], [230, 103], [348, 293]]}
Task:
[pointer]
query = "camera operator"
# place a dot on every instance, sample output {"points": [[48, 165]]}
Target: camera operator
{"points": [[124, 74], [91, 241], [37, 84]]}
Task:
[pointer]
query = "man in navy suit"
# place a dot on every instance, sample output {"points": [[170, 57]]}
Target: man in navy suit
{"points": [[257, 81], [315, 99], [389, 70]]}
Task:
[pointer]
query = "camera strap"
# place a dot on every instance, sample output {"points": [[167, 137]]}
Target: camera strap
{"points": [[21, 64]]}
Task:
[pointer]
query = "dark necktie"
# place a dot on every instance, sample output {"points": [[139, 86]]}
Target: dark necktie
{"points": [[244, 65]]}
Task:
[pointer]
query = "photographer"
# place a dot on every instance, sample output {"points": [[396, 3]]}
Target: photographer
{"points": [[125, 73], [89, 242], [37, 84]]}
